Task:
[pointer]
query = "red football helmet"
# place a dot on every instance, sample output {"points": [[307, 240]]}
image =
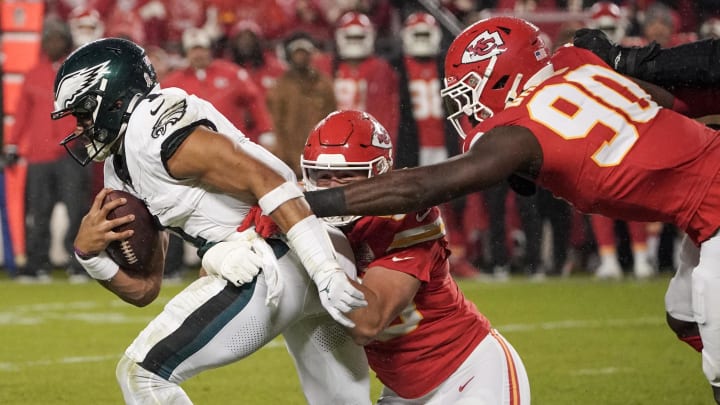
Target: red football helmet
{"points": [[608, 17], [346, 140], [489, 64], [421, 35], [354, 36]]}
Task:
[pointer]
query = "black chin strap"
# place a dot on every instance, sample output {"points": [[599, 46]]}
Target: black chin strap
{"points": [[121, 166]]}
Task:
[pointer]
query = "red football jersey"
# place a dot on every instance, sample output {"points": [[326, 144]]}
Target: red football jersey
{"points": [[609, 149], [370, 86], [424, 85], [436, 333]]}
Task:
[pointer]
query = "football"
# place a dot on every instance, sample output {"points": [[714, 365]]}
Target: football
{"points": [[134, 253]]}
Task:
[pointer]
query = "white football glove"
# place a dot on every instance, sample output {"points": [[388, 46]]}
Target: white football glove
{"points": [[235, 261], [337, 295]]}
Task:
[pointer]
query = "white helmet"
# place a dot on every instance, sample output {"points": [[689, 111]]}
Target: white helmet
{"points": [[354, 36], [85, 25], [608, 17], [710, 28], [421, 35]]}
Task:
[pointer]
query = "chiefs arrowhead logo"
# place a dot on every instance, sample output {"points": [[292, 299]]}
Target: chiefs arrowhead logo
{"points": [[380, 137], [484, 46]]}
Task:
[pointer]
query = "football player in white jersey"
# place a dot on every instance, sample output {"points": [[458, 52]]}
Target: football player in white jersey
{"points": [[199, 177]]}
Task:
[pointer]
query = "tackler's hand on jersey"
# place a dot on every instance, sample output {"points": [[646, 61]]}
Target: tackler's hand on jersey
{"points": [[596, 41], [236, 261], [627, 60]]}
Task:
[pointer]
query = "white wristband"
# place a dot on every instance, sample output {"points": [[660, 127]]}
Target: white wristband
{"points": [[311, 243], [100, 267], [278, 196]]}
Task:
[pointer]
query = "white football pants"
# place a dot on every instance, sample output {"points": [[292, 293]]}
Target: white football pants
{"points": [[694, 296], [212, 323], [493, 374]]}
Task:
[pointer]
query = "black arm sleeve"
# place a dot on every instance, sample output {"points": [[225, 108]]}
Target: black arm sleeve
{"points": [[327, 203], [695, 64]]}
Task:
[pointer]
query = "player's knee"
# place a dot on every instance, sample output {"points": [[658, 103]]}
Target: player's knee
{"points": [[133, 379], [122, 371], [689, 253], [711, 369], [140, 386], [686, 331], [706, 294]]}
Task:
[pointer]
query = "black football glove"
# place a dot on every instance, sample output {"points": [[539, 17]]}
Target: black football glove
{"points": [[597, 42], [632, 61]]}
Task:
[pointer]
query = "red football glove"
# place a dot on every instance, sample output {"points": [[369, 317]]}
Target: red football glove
{"points": [[264, 225]]}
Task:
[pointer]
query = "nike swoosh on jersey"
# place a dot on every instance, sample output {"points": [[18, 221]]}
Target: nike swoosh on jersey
{"points": [[462, 387], [155, 111], [401, 259], [420, 217]]}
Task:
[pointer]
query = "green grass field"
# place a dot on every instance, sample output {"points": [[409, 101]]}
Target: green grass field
{"points": [[583, 343]]}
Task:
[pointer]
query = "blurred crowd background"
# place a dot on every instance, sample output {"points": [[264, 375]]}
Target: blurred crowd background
{"points": [[275, 68]]}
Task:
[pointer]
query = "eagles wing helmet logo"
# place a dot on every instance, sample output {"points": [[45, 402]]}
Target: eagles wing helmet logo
{"points": [[484, 46], [75, 84], [170, 117]]}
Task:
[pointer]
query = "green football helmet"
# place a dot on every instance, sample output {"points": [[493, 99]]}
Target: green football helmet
{"points": [[101, 83]]}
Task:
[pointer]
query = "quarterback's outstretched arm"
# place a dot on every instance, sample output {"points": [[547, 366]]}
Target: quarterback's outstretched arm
{"points": [[497, 154]]}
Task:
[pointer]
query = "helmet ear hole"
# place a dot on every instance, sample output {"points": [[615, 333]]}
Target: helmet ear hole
{"points": [[501, 82], [89, 104], [102, 135]]}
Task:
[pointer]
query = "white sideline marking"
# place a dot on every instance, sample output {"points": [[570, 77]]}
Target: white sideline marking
{"points": [[10, 318], [579, 324], [36, 314], [77, 310], [602, 371], [8, 366], [15, 366]]}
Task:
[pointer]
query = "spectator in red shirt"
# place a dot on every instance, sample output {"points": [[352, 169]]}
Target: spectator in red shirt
{"points": [[310, 17], [270, 13], [223, 83]]}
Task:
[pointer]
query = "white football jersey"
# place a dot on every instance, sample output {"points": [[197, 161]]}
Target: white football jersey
{"points": [[157, 127]]}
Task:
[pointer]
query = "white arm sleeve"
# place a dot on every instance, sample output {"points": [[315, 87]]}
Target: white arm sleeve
{"points": [[311, 242]]}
